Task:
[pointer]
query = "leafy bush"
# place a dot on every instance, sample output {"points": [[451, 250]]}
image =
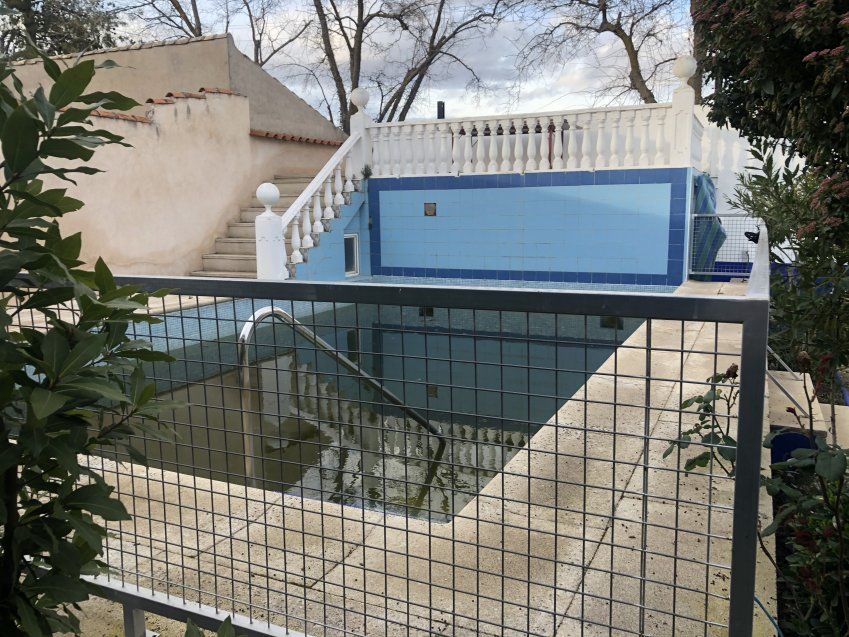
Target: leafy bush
{"points": [[71, 379]]}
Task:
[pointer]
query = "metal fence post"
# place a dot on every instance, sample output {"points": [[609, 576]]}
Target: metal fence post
{"points": [[747, 479], [134, 622]]}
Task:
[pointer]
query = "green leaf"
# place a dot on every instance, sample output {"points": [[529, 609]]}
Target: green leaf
{"points": [[20, 140], [72, 83], [226, 629], [66, 149], [192, 630], [831, 465], [84, 353], [45, 402], [103, 276], [31, 622], [60, 587], [101, 388], [95, 499], [111, 100], [54, 350], [702, 460]]}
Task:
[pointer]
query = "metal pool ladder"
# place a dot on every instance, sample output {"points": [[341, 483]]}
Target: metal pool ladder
{"points": [[245, 337]]}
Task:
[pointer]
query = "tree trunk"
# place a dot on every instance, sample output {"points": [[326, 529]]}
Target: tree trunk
{"points": [[698, 52]]}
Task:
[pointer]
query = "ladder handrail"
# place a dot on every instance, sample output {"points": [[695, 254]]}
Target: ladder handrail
{"points": [[245, 336]]}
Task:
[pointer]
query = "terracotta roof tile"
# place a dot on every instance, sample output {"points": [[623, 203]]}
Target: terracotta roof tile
{"points": [[184, 95], [255, 132], [159, 100], [222, 91], [125, 116]]}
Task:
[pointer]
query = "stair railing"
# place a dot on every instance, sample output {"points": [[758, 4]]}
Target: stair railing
{"points": [[305, 219], [245, 337]]}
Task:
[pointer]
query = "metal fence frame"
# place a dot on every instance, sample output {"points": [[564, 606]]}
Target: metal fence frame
{"points": [[750, 310]]}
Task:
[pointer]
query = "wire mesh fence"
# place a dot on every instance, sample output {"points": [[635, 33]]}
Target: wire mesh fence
{"points": [[410, 460], [723, 247]]}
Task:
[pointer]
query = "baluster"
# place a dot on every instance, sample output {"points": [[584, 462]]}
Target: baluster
{"points": [[600, 154], [518, 149], [644, 160], [545, 144], [492, 164], [306, 226], [586, 146], [505, 146], [376, 154], [557, 152], [295, 235], [444, 148], [660, 136], [615, 160], [339, 198], [396, 144], [532, 163], [456, 148], [572, 161], [430, 148], [329, 200], [629, 121], [410, 155], [349, 175], [419, 146], [468, 166], [480, 148], [317, 226]]}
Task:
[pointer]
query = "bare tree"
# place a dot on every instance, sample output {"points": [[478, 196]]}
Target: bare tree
{"points": [[644, 30], [397, 46], [172, 17], [271, 28]]}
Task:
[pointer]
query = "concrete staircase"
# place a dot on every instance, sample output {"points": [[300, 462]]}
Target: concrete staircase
{"points": [[235, 253]]}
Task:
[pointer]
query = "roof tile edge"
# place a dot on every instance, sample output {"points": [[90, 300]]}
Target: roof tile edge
{"points": [[129, 47], [293, 138]]}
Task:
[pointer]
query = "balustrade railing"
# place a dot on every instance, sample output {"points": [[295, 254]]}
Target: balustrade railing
{"points": [[570, 140]]}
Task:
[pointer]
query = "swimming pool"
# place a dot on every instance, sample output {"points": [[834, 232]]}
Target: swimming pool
{"points": [[488, 380]]}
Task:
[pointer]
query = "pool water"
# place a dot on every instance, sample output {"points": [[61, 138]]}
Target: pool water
{"points": [[487, 380]]}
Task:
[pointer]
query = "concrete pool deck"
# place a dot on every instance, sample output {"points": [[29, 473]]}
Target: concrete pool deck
{"points": [[552, 545]]}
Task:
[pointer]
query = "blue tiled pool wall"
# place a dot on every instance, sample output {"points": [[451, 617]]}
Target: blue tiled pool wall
{"points": [[608, 227], [326, 262]]}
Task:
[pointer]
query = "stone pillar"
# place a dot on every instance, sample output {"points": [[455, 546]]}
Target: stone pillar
{"points": [[683, 113]]}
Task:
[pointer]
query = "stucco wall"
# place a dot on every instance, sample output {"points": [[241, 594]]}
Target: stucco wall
{"points": [[152, 70], [160, 204]]}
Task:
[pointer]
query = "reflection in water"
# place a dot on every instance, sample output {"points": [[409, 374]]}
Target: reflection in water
{"points": [[487, 380]]}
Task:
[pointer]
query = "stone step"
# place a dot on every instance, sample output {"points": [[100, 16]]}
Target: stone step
{"points": [[291, 188], [230, 262], [241, 230], [225, 274], [240, 245]]}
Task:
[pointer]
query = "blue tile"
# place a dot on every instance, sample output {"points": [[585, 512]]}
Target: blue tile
{"points": [[584, 277], [617, 176], [628, 279], [515, 276], [658, 279], [570, 277], [602, 178], [558, 277], [643, 279], [679, 190]]}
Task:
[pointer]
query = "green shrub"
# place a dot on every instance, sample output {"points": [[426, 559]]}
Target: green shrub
{"points": [[71, 379]]}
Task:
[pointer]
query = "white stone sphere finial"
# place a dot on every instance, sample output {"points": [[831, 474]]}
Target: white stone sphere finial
{"points": [[684, 68], [359, 98], [268, 195]]}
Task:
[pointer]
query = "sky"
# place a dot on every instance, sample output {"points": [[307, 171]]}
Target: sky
{"points": [[575, 80]]}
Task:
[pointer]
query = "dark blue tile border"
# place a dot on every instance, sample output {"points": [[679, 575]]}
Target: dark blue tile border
{"points": [[676, 177]]}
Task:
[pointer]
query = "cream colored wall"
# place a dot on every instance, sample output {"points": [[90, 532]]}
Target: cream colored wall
{"points": [[160, 204], [271, 98], [155, 69], [149, 72]]}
